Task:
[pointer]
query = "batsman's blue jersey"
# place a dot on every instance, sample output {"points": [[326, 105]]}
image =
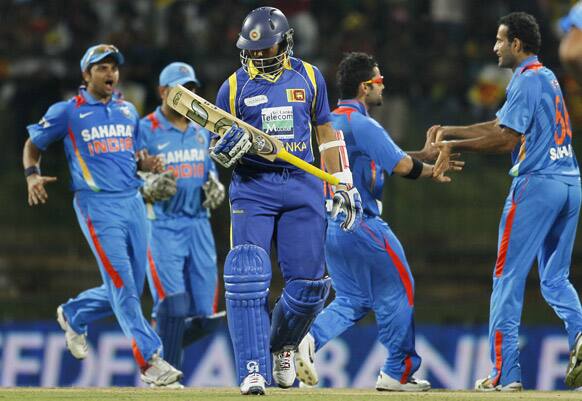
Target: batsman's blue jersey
{"points": [[370, 150], [186, 154], [99, 141], [535, 108], [285, 109], [573, 19]]}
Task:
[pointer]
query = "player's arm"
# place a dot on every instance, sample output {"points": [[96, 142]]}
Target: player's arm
{"points": [[571, 53], [439, 133], [497, 140], [31, 156]]}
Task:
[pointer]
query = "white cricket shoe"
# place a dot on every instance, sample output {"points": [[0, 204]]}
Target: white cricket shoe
{"points": [[175, 385], [159, 372], [284, 368], [253, 384], [76, 343], [486, 385], [305, 361], [574, 371], [386, 383]]}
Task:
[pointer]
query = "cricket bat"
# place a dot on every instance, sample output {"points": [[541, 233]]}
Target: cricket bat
{"points": [[213, 118]]}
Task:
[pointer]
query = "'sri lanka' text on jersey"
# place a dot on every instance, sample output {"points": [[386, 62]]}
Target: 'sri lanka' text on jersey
{"points": [[98, 139], [535, 108], [284, 109], [184, 153]]}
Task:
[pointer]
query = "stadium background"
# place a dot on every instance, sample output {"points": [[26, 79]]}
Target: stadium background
{"points": [[437, 59]]}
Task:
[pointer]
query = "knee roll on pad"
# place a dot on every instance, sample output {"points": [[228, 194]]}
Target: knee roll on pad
{"points": [[247, 276], [171, 314], [300, 303]]}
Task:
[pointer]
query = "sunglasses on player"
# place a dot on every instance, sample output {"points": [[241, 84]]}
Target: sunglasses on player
{"points": [[378, 80]]}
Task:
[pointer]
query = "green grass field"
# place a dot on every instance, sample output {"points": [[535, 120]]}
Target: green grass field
{"points": [[206, 394]]}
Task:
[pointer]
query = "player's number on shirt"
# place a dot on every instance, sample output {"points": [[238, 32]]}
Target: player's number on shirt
{"points": [[562, 122]]}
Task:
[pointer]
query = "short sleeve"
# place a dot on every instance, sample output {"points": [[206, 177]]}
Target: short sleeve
{"points": [[322, 112], [52, 126], [519, 109], [373, 140]]}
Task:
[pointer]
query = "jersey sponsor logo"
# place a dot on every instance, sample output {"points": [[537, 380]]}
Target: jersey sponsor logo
{"points": [[296, 95], [256, 100], [278, 121], [183, 155], [187, 170], [107, 131], [162, 146], [83, 115]]}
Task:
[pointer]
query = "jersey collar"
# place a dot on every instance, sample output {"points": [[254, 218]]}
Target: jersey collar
{"points": [[354, 104], [527, 63]]}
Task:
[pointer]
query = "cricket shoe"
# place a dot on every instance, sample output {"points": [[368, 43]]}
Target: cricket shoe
{"points": [[284, 368], [253, 384], [159, 372], [574, 371], [305, 361], [76, 343], [175, 385], [486, 385], [386, 383]]}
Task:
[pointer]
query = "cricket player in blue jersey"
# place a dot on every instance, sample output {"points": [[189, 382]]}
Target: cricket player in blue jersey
{"points": [[99, 131], [182, 267], [286, 98], [541, 211], [571, 44], [368, 267]]}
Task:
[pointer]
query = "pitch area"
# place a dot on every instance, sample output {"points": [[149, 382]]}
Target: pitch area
{"points": [[207, 394]]}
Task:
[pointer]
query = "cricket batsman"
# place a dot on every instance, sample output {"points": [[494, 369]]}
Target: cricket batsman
{"points": [[182, 271], [275, 202], [99, 130]]}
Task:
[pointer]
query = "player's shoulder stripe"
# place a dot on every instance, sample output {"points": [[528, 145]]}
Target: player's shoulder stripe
{"points": [[232, 87]]}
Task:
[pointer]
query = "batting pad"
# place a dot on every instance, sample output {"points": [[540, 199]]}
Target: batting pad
{"points": [[247, 276], [301, 301], [170, 316]]}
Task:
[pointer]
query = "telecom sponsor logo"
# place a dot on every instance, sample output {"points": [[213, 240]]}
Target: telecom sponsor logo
{"points": [[278, 121]]}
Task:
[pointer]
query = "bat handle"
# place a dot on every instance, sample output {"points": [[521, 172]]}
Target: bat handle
{"points": [[303, 165]]}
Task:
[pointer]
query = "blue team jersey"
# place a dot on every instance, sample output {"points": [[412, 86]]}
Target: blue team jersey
{"points": [[284, 109], [535, 108], [186, 154], [98, 138], [370, 151], [573, 19]]}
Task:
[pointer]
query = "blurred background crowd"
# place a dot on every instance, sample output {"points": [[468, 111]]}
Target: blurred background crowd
{"points": [[439, 67]]}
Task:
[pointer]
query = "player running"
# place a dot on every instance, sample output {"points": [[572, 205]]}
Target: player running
{"points": [[99, 130], [368, 267], [541, 211], [287, 98], [182, 267]]}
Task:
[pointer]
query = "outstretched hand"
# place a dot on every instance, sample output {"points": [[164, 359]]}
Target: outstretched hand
{"points": [[36, 191], [150, 163], [446, 161]]}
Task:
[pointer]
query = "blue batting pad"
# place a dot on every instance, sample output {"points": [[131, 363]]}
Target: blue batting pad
{"points": [[171, 313], [247, 276], [301, 301]]}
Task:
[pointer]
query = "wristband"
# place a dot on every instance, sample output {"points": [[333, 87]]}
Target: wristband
{"points": [[416, 169], [31, 170]]}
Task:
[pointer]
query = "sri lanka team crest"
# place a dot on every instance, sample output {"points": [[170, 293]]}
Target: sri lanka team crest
{"points": [[296, 95]]}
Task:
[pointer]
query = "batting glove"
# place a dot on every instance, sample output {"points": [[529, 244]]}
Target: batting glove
{"points": [[347, 200], [232, 146], [158, 187], [213, 192]]}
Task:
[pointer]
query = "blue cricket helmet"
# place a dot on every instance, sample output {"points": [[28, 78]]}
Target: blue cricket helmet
{"points": [[263, 28]]}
